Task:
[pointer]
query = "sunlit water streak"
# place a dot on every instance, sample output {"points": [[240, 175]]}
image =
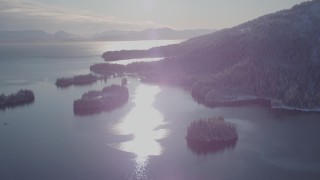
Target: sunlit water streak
{"points": [[128, 61], [143, 122]]}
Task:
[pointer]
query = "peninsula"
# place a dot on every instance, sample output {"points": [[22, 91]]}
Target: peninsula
{"points": [[275, 57]]}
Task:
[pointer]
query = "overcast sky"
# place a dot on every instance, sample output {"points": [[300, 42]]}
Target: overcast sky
{"points": [[91, 16]]}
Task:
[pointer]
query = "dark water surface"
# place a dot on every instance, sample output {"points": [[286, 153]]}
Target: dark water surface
{"points": [[145, 139]]}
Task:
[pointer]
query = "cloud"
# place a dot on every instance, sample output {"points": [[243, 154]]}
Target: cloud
{"points": [[27, 14]]}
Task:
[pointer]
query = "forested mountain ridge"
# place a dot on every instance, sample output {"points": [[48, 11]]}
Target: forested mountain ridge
{"points": [[276, 56]]}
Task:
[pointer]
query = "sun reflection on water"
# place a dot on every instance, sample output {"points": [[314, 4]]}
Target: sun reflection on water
{"points": [[143, 122]]}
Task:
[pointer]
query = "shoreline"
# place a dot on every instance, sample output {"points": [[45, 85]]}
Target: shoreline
{"points": [[263, 102], [244, 102], [294, 110]]}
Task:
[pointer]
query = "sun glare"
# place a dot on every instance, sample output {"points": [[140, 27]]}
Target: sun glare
{"points": [[143, 122]]}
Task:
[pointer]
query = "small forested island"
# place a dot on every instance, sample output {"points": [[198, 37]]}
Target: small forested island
{"points": [[78, 80], [211, 135], [212, 130], [21, 97], [109, 98]]}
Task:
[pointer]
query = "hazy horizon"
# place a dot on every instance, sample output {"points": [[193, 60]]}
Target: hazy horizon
{"points": [[89, 17]]}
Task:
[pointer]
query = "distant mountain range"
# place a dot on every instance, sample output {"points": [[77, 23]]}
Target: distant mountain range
{"points": [[115, 35], [276, 56], [150, 34], [37, 36]]}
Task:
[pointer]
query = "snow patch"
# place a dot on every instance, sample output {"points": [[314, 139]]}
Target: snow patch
{"points": [[292, 108], [245, 30]]}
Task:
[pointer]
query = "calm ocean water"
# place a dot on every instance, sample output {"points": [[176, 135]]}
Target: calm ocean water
{"points": [[145, 139]]}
